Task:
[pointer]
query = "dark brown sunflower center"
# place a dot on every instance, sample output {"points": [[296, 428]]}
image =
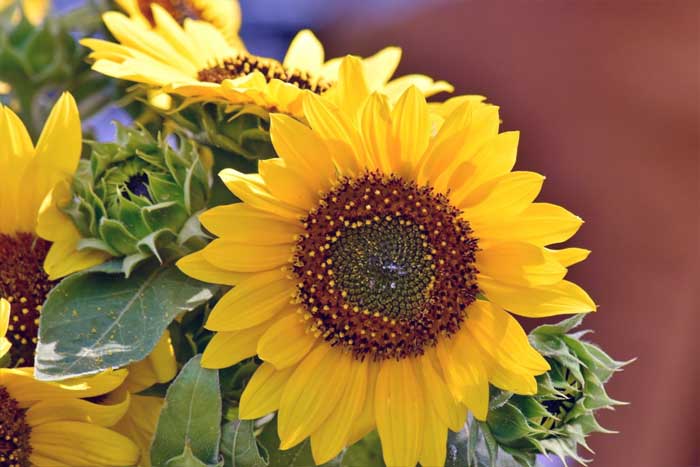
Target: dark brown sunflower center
{"points": [[15, 433], [244, 64], [180, 10], [25, 285], [385, 268]]}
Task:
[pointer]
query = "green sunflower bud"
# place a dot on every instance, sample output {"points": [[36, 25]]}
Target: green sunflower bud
{"points": [[558, 419], [37, 60], [243, 130], [138, 197]]}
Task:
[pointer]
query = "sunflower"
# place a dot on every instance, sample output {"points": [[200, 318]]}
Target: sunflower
{"points": [[195, 60], [225, 15], [50, 424], [29, 174], [373, 263], [141, 419]]}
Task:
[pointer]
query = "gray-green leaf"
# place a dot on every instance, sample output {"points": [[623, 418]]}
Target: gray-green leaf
{"points": [[191, 417], [95, 319], [239, 446]]}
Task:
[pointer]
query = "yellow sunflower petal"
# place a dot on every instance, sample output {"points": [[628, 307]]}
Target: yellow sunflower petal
{"points": [[240, 222], [243, 257], [495, 159], [82, 445], [336, 130], [427, 85], [228, 348], [380, 67], [376, 130], [449, 140], [351, 90], [286, 342], [284, 185], [537, 302], [539, 224], [5, 344], [465, 373], [159, 367], [570, 256], [251, 190], [57, 154], [400, 410], [411, 128], [502, 337], [76, 410], [366, 419], [519, 263], [305, 53], [332, 436], [308, 399], [263, 392], [5, 308], [441, 399], [254, 300], [196, 265], [21, 384], [302, 150], [505, 197], [36, 10], [434, 449], [140, 423]]}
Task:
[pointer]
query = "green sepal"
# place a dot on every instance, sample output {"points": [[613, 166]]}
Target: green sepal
{"points": [[562, 414], [135, 197]]}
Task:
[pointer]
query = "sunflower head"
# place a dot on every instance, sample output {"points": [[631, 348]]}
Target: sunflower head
{"points": [[225, 15], [137, 196], [562, 414], [37, 416], [381, 251]]}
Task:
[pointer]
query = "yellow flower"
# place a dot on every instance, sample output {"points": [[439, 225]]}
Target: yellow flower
{"points": [[29, 174], [34, 10], [373, 263], [225, 15], [195, 60], [50, 424], [141, 420]]}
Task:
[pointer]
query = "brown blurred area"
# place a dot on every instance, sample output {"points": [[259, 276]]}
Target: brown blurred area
{"points": [[606, 94]]}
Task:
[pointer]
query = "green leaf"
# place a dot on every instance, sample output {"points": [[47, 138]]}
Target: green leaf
{"points": [[366, 453], [187, 459], [191, 417], [507, 423], [95, 319], [239, 446]]}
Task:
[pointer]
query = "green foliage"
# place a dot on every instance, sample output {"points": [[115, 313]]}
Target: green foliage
{"points": [[139, 197], [40, 60], [562, 414], [98, 319], [188, 430], [243, 130], [240, 447]]}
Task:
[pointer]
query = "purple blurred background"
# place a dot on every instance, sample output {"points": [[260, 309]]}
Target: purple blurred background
{"points": [[607, 95]]}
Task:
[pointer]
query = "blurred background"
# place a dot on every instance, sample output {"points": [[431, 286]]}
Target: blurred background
{"points": [[607, 96]]}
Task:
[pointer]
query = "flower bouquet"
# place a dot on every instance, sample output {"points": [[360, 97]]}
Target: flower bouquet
{"points": [[276, 263]]}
